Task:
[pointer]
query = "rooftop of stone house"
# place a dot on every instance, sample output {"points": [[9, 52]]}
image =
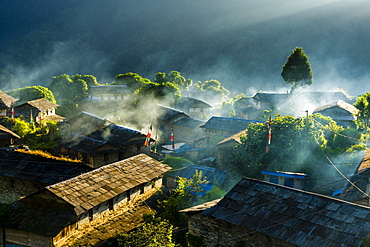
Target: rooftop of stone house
{"points": [[109, 89], [38, 169], [40, 104], [200, 208], [294, 216], [190, 102], [189, 122], [88, 145], [340, 104], [234, 138], [90, 189], [166, 113], [118, 136], [48, 211], [85, 123], [228, 124], [7, 99], [7, 132]]}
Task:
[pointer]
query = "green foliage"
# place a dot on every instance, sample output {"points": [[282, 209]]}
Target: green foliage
{"points": [[31, 93], [89, 79], [294, 141], [176, 162], [69, 88], [132, 80], [175, 78], [297, 70], [159, 91], [154, 232], [363, 116], [216, 193], [214, 87], [37, 137]]}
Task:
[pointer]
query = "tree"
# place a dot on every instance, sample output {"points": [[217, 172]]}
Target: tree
{"points": [[214, 87], [132, 80], [154, 232], [159, 91], [68, 88], [31, 93], [297, 70], [175, 78], [89, 79], [363, 116]]}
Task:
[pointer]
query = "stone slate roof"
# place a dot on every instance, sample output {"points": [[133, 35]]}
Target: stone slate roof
{"points": [[294, 216], [359, 179], [40, 104], [200, 208], [228, 124], [234, 138], [85, 123], [118, 136], [7, 99], [271, 97], [38, 169], [49, 210], [340, 104], [189, 122], [92, 188], [88, 145], [189, 102], [6, 133], [166, 113]]}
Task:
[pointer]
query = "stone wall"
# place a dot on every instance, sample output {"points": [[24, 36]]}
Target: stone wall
{"points": [[215, 232], [11, 189], [22, 238]]}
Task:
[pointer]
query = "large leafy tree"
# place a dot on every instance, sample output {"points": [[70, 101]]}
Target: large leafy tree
{"points": [[212, 86], [31, 93], [71, 89], [363, 116], [295, 143], [297, 70], [175, 78], [159, 91], [132, 80]]}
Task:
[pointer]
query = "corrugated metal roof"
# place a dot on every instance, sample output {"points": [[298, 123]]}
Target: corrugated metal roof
{"points": [[294, 216]]}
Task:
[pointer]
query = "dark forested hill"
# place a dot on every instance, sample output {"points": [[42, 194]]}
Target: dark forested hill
{"points": [[242, 43]]}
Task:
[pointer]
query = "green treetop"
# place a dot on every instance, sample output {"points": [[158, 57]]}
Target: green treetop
{"points": [[297, 70]]}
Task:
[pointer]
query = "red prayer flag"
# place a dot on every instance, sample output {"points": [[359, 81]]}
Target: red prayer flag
{"points": [[13, 112], [172, 139], [147, 139], [268, 135]]}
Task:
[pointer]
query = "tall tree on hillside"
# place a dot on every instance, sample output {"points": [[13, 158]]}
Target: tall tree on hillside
{"points": [[132, 80], [66, 88], [297, 70], [31, 93], [175, 78]]}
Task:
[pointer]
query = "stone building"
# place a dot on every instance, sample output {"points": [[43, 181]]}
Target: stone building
{"points": [[218, 128], [6, 102], [109, 92], [7, 137], [194, 107], [41, 110], [187, 130], [22, 174], [224, 148], [341, 112], [259, 213], [49, 216]]}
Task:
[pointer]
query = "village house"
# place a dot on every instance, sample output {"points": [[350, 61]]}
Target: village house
{"points": [[259, 213], [109, 92], [341, 112], [6, 102], [187, 130], [22, 174], [100, 149], [289, 179], [246, 108], [167, 116], [223, 149], [296, 103], [52, 215], [194, 107], [218, 128], [358, 190], [37, 110], [7, 137]]}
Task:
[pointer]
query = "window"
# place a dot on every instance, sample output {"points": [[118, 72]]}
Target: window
{"points": [[91, 215], [289, 182], [274, 179]]}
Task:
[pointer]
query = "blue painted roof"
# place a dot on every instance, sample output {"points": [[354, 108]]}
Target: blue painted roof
{"points": [[285, 174]]}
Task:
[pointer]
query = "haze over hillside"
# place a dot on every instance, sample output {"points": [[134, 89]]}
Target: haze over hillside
{"points": [[241, 43]]}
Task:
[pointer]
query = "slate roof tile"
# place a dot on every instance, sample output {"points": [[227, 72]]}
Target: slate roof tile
{"points": [[295, 216]]}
